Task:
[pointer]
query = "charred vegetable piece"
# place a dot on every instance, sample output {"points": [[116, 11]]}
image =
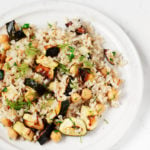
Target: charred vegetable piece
{"points": [[33, 84], [68, 88], [109, 59], [64, 107], [80, 30], [45, 134], [84, 74], [45, 71], [73, 127], [69, 24], [53, 51], [1, 74], [13, 34]]}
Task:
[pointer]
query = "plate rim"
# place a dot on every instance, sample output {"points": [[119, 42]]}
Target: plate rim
{"points": [[4, 15]]}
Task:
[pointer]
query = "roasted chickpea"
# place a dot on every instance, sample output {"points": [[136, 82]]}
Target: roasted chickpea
{"points": [[74, 70], [6, 46], [6, 122], [55, 136], [51, 86], [12, 133], [4, 38], [104, 72], [86, 94], [113, 94], [75, 97]]}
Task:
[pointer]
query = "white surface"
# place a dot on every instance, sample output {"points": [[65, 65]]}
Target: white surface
{"points": [[133, 16], [120, 118]]}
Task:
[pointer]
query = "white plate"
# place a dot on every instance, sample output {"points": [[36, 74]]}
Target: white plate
{"points": [[105, 135]]}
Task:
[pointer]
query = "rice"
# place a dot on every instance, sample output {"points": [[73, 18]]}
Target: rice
{"points": [[56, 63]]}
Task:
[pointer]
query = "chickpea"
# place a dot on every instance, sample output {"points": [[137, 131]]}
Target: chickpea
{"points": [[104, 72], [90, 77], [113, 94], [4, 38], [86, 94], [6, 122], [75, 97], [51, 86], [55, 136], [74, 70], [6, 46], [12, 133]]}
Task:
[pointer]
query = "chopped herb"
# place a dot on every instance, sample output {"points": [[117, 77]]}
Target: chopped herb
{"points": [[4, 89], [56, 131], [25, 26], [81, 141], [31, 51], [111, 59], [22, 69], [74, 85], [72, 122], [114, 53], [17, 46], [81, 58], [108, 73], [17, 105], [49, 25], [15, 64], [106, 121], [71, 55], [58, 122], [63, 68]]}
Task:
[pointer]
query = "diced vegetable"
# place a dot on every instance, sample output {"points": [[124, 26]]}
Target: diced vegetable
{"points": [[13, 33], [33, 122], [4, 38], [1, 74], [45, 134], [68, 88], [45, 71], [73, 127], [89, 117], [23, 131], [46, 61], [80, 30], [64, 107], [30, 95], [33, 84], [113, 94], [6, 122], [68, 23], [52, 51], [55, 136], [85, 74], [12, 133]]}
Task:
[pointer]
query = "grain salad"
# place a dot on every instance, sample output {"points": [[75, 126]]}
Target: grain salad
{"points": [[55, 81]]}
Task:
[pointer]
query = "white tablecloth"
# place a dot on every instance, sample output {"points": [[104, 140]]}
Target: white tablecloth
{"points": [[134, 17]]}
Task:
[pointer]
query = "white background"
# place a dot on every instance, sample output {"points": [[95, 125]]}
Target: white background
{"points": [[134, 17]]}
